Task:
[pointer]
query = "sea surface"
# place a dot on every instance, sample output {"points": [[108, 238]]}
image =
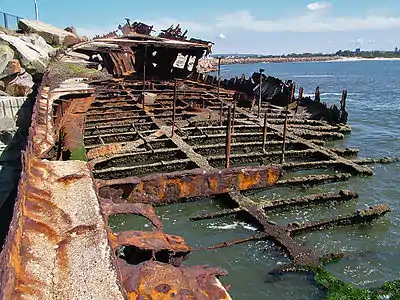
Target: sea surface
{"points": [[374, 115]]}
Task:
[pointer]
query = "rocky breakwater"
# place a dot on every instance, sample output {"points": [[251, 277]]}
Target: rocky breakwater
{"points": [[275, 59], [24, 57]]}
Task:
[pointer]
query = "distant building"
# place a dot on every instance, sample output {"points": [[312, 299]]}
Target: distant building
{"points": [[396, 50], [358, 50]]}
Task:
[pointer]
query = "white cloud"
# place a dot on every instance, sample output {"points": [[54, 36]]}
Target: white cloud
{"points": [[306, 23], [318, 6], [222, 36], [358, 41]]}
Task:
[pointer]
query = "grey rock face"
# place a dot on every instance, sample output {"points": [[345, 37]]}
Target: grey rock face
{"points": [[21, 85], [33, 57], [52, 35], [6, 55]]}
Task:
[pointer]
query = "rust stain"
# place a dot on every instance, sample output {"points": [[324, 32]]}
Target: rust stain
{"points": [[70, 178]]}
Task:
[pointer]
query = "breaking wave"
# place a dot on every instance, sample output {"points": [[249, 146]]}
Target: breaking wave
{"points": [[226, 226], [312, 76]]}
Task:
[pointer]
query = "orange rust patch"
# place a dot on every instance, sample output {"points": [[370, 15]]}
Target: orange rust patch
{"points": [[70, 178]]}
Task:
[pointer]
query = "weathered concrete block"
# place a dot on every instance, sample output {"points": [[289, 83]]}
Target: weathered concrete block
{"points": [[9, 109], [52, 35]]}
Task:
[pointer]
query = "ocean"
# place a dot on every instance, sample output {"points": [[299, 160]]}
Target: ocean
{"points": [[374, 114]]}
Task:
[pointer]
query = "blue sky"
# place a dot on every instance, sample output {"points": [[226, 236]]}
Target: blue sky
{"points": [[257, 26]]}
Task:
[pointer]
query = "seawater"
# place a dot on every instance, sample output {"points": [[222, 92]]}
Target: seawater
{"points": [[374, 114]]}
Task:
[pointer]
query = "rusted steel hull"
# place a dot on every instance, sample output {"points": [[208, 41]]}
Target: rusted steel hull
{"points": [[51, 236], [152, 139]]}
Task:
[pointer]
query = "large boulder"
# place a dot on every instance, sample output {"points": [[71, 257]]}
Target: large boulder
{"points": [[13, 67], [32, 57], [20, 86], [38, 42], [6, 55], [51, 34]]}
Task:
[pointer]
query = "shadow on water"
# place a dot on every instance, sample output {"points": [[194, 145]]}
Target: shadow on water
{"points": [[11, 165]]}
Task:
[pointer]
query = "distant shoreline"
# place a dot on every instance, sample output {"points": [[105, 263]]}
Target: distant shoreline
{"points": [[252, 60]]}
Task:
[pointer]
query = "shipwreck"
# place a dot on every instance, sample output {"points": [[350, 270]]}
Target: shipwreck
{"points": [[162, 131]]}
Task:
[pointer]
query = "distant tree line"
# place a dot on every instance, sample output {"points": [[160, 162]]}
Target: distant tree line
{"points": [[369, 54], [342, 53]]}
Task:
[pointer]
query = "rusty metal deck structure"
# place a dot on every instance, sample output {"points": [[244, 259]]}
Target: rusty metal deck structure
{"points": [[124, 145]]}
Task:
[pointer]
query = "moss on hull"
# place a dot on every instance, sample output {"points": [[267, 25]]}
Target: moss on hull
{"points": [[79, 153], [340, 290], [61, 71]]}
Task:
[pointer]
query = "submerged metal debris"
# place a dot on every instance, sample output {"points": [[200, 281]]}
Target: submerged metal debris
{"points": [[157, 133]]}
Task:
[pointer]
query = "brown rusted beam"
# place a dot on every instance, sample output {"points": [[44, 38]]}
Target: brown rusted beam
{"points": [[314, 179], [265, 128], [221, 113], [228, 139], [110, 208], [260, 96], [358, 217], [234, 112], [149, 240], [292, 93], [307, 181], [300, 93], [236, 242], [317, 95], [174, 110], [164, 188], [218, 214], [343, 195], [343, 101], [383, 160], [286, 125]]}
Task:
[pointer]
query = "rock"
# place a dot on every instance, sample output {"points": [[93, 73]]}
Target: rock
{"points": [[11, 109], [21, 85], [69, 41], [38, 42], [51, 34], [84, 38], [32, 57], [13, 67], [71, 29], [6, 55], [6, 123]]}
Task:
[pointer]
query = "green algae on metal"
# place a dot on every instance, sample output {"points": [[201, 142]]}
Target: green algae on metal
{"points": [[78, 153], [339, 290]]}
